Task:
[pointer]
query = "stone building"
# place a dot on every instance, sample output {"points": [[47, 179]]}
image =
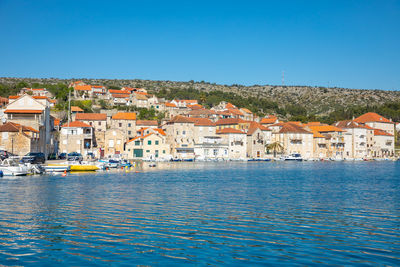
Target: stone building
{"points": [[19, 139], [77, 136]]}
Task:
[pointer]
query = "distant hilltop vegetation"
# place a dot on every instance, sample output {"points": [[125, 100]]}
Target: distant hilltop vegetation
{"points": [[288, 101]]}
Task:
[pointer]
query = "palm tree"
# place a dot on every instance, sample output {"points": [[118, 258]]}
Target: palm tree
{"points": [[275, 146]]}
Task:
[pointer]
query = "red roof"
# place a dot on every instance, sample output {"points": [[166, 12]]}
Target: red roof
{"points": [[371, 117], [120, 95], [195, 106], [180, 119], [202, 122], [172, 105], [380, 132], [112, 91], [77, 124], [76, 109], [124, 116], [15, 127], [230, 131], [269, 120], [91, 116], [24, 111], [161, 131], [254, 126], [14, 96], [39, 97], [229, 105], [83, 88], [235, 111], [229, 121], [289, 127], [147, 123]]}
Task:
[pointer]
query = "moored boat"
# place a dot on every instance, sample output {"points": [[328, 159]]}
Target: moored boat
{"points": [[11, 167]]}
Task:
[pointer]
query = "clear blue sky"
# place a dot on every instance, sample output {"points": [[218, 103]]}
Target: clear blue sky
{"points": [[353, 44]]}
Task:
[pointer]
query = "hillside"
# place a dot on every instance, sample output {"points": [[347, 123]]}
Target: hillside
{"points": [[318, 101]]}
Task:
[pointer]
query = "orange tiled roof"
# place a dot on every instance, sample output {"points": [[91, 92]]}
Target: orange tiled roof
{"points": [[15, 127], [139, 137], [371, 117], [230, 131], [172, 105], [161, 131], [380, 132], [147, 122], [120, 95], [76, 124], [40, 97], [24, 111], [325, 128], [195, 106], [229, 105], [254, 126], [235, 111], [83, 88], [37, 89], [180, 119], [56, 122], [124, 116], [246, 110], [269, 120], [317, 134], [14, 96], [202, 122], [289, 127], [113, 91], [187, 101], [76, 109], [98, 86], [91, 116], [229, 121], [314, 123]]}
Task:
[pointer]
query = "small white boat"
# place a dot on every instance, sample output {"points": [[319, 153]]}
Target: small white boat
{"points": [[293, 157], [12, 167], [57, 168]]}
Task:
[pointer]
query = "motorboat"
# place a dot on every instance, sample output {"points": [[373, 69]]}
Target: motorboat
{"points": [[293, 157], [12, 167], [57, 168]]}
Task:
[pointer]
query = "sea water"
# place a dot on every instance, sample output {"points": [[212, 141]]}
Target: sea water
{"points": [[235, 213]]}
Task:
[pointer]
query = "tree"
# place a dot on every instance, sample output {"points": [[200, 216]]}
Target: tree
{"points": [[275, 146]]}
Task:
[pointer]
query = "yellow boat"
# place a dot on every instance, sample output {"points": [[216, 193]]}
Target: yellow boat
{"points": [[84, 168]]}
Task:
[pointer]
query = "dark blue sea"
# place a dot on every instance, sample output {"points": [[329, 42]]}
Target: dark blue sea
{"points": [[269, 213]]}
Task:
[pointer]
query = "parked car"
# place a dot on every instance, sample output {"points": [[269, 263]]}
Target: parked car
{"points": [[62, 156], [90, 155], [34, 158], [75, 156]]}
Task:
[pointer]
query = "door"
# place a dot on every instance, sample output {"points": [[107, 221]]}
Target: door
{"points": [[138, 153]]}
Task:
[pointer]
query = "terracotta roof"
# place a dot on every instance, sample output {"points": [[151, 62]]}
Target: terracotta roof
{"points": [[120, 95], [317, 134], [141, 93], [112, 91], [289, 127], [98, 86], [349, 124], [180, 119], [83, 88], [161, 131], [40, 97], [195, 106], [254, 126], [76, 124], [202, 122], [14, 96], [235, 111], [223, 112], [229, 121], [15, 127], [314, 123], [124, 116], [146, 123], [139, 137], [24, 111], [371, 117], [202, 111], [246, 110], [37, 89], [229, 105], [269, 120], [230, 131], [325, 128], [76, 109], [56, 122], [91, 116], [168, 104], [380, 132]]}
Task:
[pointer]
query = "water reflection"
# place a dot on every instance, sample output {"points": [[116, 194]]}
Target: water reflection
{"points": [[205, 213]]}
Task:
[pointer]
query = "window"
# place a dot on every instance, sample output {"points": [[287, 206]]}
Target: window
{"points": [[120, 124], [129, 132], [147, 151], [156, 142], [177, 132], [183, 132], [163, 151], [129, 125], [99, 123], [118, 142], [90, 123], [149, 142], [111, 143], [137, 143]]}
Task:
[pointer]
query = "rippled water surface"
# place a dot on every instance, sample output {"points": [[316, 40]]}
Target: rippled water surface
{"points": [[217, 214]]}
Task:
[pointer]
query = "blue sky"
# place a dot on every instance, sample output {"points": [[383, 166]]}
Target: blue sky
{"points": [[352, 44]]}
